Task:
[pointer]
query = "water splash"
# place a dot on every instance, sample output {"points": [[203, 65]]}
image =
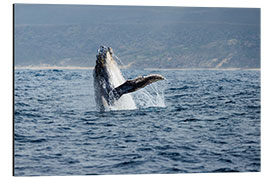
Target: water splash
{"points": [[151, 96], [118, 59]]}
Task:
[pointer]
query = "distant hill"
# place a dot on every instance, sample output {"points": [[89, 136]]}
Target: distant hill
{"points": [[147, 37]]}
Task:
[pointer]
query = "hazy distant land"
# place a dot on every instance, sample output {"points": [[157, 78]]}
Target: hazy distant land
{"points": [[147, 69], [59, 36]]}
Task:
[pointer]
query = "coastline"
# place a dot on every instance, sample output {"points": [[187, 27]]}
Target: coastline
{"points": [[146, 69], [52, 67], [202, 69]]}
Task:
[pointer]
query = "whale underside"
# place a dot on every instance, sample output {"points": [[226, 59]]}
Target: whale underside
{"points": [[111, 88]]}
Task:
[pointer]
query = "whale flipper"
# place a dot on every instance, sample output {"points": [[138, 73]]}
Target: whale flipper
{"points": [[132, 85]]}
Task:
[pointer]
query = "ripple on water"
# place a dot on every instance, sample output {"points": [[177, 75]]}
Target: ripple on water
{"points": [[211, 123]]}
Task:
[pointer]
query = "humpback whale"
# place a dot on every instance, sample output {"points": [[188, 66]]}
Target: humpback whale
{"points": [[111, 88]]}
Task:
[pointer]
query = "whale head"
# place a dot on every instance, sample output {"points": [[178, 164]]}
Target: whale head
{"points": [[104, 56], [107, 69]]}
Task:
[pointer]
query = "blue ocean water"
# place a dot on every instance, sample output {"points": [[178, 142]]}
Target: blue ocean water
{"points": [[210, 123]]}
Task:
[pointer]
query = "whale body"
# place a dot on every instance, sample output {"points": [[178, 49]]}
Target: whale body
{"points": [[111, 88]]}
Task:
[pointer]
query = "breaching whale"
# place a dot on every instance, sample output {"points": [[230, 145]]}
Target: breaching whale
{"points": [[111, 88]]}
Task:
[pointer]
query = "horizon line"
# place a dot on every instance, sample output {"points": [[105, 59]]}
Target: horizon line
{"points": [[147, 69]]}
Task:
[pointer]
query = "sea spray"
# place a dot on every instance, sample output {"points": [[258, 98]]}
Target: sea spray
{"points": [[119, 60], [151, 96]]}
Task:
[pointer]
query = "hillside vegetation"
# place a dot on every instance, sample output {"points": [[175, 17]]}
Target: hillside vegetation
{"points": [[150, 37]]}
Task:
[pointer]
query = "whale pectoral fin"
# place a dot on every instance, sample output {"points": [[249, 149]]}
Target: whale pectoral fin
{"points": [[135, 84]]}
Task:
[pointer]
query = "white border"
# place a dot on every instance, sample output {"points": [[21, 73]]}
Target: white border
{"points": [[6, 83], [198, 3]]}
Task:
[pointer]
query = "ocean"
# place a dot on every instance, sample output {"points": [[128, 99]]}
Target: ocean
{"points": [[197, 121]]}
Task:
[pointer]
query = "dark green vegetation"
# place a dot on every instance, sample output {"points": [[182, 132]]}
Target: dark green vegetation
{"points": [[152, 37]]}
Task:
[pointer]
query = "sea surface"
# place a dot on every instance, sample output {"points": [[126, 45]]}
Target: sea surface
{"points": [[204, 121]]}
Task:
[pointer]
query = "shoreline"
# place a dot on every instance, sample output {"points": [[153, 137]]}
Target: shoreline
{"points": [[53, 67], [146, 69], [202, 69]]}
